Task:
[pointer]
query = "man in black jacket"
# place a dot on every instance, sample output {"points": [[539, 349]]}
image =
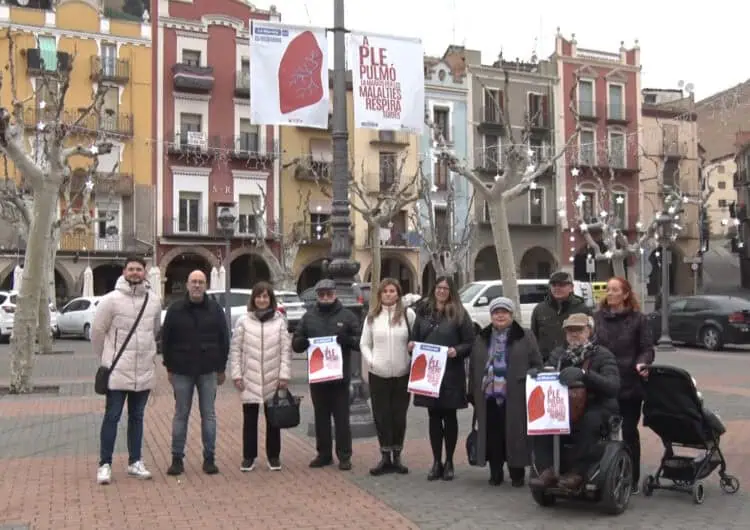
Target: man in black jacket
{"points": [[195, 348], [549, 315], [327, 318], [594, 366]]}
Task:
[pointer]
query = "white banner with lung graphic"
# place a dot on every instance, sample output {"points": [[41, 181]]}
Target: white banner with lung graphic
{"points": [[288, 75], [388, 82]]}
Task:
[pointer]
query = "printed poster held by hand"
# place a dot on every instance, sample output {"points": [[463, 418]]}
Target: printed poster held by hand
{"points": [[427, 369], [324, 360], [547, 406]]}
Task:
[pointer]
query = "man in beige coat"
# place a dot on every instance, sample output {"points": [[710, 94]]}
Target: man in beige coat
{"points": [[133, 376]]}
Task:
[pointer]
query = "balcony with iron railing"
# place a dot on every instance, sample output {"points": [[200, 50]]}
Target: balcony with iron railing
{"points": [[673, 148], [92, 242], [491, 117], [313, 170], [109, 69], [192, 78], [397, 238], [242, 84], [108, 122], [538, 120], [587, 110], [200, 227], [487, 162], [116, 183], [185, 142]]}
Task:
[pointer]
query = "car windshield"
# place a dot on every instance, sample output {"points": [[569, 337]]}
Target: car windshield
{"points": [[469, 291]]}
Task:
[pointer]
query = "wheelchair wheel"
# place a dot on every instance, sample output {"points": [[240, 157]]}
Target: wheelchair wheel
{"points": [[543, 498], [618, 483]]}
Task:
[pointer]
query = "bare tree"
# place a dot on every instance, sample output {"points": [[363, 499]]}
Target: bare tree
{"points": [[45, 172], [518, 169], [379, 207], [447, 243], [608, 221]]}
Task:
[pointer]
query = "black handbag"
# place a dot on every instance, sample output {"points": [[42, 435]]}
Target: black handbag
{"points": [[101, 379], [472, 440], [283, 413]]}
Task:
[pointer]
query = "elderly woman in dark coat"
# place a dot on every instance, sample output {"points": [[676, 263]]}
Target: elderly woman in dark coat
{"points": [[503, 352], [443, 321]]}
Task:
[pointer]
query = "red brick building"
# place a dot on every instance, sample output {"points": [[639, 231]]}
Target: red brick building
{"points": [[605, 89], [207, 154]]}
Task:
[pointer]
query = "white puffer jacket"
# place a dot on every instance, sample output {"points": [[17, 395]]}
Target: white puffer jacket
{"points": [[260, 355], [114, 317], [384, 345]]}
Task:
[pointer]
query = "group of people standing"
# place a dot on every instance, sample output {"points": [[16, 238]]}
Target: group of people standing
{"points": [[197, 348]]}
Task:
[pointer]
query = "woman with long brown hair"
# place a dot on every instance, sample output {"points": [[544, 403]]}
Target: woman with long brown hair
{"points": [[623, 329], [261, 363], [443, 321], [385, 336]]}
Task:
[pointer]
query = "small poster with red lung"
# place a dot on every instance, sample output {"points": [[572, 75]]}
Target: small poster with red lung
{"points": [[288, 75], [324, 360], [547, 407], [427, 369]]}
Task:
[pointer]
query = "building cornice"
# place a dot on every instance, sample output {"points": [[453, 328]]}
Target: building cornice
{"points": [[191, 97], [191, 171], [194, 26], [600, 64], [73, 34], [251, 175]]}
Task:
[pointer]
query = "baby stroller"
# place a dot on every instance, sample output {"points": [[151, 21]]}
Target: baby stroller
{"points": [[674, 410]]}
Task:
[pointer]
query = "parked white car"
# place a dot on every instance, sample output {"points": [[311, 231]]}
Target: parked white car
{"points": [[292, 306], [476, 296], [75, 318], [8, 300]]}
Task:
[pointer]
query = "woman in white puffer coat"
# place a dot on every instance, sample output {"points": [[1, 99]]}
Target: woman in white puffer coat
{"points": [[385, 337], [261, 364]]}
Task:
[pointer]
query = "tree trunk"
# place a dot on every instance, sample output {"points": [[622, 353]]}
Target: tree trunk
{"points": [[437, 264], [27, 308], [504, 251], [47, 297], [376, 259]]}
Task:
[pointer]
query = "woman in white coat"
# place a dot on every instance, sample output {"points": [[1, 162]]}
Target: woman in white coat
{"points": [[385, 336], [261, 364]]}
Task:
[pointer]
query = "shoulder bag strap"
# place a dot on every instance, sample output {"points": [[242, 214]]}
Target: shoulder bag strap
{"points": [[406, 317], [130, 333]]}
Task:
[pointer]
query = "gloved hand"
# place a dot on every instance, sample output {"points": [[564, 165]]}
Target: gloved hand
{"points": [[533, 372], [306, 344], [571, 375], [343, 338]]}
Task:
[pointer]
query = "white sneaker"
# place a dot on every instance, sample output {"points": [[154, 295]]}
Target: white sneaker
{"points": [[138, 470], [104, 474]]}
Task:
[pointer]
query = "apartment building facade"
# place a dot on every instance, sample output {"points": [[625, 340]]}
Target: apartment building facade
{"points": [[105, 53], [209, 156]]}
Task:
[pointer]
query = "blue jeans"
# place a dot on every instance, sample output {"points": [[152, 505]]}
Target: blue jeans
{"points": [[114, 404], [183, 386]]}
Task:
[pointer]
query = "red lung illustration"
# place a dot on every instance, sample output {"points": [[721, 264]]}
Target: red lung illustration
{"points": [[536, 404], [419, 368], [316, 361], [301, 73]]}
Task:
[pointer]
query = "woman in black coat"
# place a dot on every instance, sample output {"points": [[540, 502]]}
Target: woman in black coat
{"points": [[442, 321]]}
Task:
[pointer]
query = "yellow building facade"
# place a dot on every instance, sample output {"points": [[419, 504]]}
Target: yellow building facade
{"points": [[669, 157], [307, 154], [113, 58]]}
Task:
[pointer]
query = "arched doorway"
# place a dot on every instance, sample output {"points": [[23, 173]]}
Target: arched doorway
{"points": [[178, 270], [105, 278], [603, 269], [537, 262], [393, 267], [247, 270], [486, 266], [310, 275], [653, 285], [428, 278], [61, 286]]}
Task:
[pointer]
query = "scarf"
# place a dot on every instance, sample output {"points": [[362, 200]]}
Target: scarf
{"points": [[577, 354], [264, 314], [496, 370]]}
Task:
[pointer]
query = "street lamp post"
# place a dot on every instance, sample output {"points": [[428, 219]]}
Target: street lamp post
{"points": [[342, 268], [665, 235], [226, 221]]}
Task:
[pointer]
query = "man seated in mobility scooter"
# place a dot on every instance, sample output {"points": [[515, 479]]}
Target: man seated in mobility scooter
{"points": [[590, 372]]}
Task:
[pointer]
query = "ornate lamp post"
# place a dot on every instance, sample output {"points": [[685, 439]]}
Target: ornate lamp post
{"points": [[665, 236], [226, 219]]}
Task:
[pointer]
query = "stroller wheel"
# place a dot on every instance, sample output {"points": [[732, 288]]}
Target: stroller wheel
{"points": [[649, 485], [699, 495], [730, 484]]}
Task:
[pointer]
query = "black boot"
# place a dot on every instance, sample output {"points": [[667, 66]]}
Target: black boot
{"points": [[436, 472], [497, 476], [448, 471], [177, 467], [384, 466], [398, 466]]}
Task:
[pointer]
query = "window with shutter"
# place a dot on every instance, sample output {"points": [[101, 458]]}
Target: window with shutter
{"points": [[249, 210]]}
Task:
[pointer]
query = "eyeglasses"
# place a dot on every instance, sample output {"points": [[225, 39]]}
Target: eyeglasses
{"points": [[443, 289], [326, 294], [575, 329]]}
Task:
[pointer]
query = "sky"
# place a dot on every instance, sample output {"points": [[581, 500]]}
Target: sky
{"points": [[702, 44]]}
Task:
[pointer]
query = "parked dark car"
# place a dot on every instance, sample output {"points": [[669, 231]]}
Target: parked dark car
{"points": [[710, 321]]}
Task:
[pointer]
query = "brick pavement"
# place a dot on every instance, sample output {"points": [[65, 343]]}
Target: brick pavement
{"points": [[49, 446]]}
